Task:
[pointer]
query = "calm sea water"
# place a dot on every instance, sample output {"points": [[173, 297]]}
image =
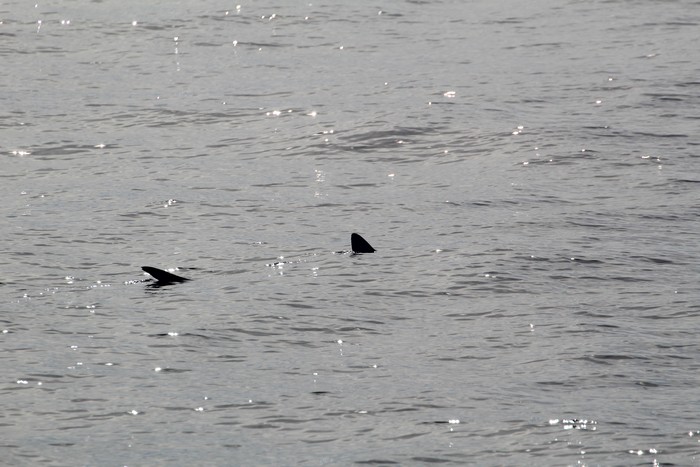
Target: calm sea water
{"points": [[528, 173]]}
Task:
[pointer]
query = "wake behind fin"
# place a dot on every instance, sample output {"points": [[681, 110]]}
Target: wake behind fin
{"points": [[360, 245], [163, 277]]}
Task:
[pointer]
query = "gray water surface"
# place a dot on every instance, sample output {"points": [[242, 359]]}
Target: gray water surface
{"points": [[528, 173]]}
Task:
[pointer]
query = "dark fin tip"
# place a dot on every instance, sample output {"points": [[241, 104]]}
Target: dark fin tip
{"points": [[360, 245]]}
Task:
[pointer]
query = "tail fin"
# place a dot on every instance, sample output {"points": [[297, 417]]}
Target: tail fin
{"points": [[360, 245], [163, 277]]}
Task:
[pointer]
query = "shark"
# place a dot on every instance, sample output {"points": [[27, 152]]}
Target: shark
{"points": [[161, 277]]}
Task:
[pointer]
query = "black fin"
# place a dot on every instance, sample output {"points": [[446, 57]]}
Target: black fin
{"points": [[360, 245], [163, 277]]}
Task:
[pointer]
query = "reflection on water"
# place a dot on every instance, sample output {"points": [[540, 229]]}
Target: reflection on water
{"points": [[526, 175]]}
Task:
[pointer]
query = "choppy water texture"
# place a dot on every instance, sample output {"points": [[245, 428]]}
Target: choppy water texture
{"points": [[528, 173]]}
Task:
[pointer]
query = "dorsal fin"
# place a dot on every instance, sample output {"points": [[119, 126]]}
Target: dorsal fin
{"points": [[163, 277], [360, 245]]}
